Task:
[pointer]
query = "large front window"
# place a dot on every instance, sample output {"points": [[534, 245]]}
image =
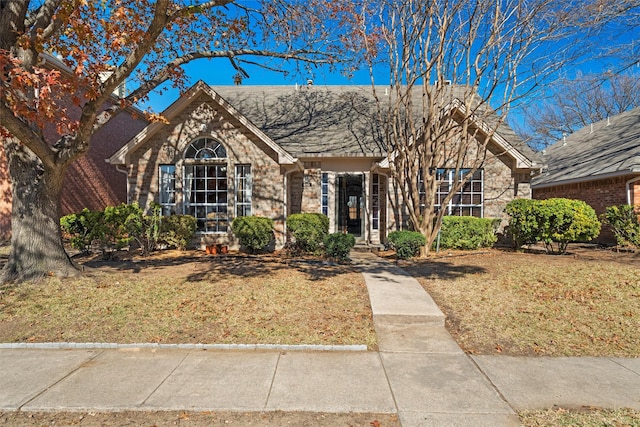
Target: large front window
{"points": [[205, 189], [466, 202]]}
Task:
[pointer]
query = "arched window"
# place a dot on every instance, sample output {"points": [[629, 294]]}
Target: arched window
{"points": [[205, 185], [205, 148]]}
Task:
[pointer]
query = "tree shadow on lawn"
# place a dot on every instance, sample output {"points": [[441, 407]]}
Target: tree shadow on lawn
{"points": [[438, 267], [195, 267]]}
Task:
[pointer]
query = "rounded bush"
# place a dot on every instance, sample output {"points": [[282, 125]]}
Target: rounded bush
{"points": [[308, 230], [254, 233], [556, 220], [338, 245], [177, 230], [523, 223], [406, 243]]}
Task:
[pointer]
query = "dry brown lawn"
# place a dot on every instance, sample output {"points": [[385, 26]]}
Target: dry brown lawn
{"points": [[586, 303], [188, 297]]}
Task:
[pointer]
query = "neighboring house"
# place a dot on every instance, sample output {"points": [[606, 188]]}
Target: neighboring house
{"points": [[273, 151], [599, 164], [90, 182]]}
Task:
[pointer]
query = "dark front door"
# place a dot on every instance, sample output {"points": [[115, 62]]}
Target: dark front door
{"points": [[350, 206]]}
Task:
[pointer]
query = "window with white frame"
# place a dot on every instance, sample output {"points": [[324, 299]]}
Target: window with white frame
{"points": [[324, 194], [375, 201], [205, 189], [469, 201], [466, 202], [167, 189], [243, 190]]}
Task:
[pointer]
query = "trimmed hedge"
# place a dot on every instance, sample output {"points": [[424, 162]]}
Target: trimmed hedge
{"points": [[468, 232], [623, 220], [308, 230], [552, 221], [254, 233], [406, 243], [339, 245]]}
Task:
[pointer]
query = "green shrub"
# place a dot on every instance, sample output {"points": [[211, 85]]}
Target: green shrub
{"points": [[308, 230], [468, 232], [118, 226], [406, 243], [523, 223], [338, 245], [79, 228], [254, 233], [623, 220], [177, 231], [564, 221], [552, 221], [112, 231], [144, 229]]}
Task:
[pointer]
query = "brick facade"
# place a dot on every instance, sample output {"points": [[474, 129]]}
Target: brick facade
{"points": [[598, 194]]}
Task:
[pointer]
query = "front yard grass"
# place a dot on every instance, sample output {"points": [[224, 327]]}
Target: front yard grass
{"points": [[175, 297], [586, 303], [583, 417]]}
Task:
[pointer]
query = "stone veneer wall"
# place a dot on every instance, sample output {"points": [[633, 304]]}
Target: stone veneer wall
{"points": [[205, 119]]}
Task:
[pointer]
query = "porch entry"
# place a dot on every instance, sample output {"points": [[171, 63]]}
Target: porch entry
{"points": [[350, 204]]}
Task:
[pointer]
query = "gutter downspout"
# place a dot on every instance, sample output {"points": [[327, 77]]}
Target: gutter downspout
{"points": [[126, 173], [628, 184]]}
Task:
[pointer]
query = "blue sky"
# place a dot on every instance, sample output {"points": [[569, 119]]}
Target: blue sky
{"points": [[220, 72]]}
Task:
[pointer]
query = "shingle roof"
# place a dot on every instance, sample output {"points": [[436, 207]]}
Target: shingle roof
{"points": [[607, 148], [309, 121]]}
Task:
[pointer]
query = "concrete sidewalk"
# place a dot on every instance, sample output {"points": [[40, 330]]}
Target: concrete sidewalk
{"points": [[418, 373]]}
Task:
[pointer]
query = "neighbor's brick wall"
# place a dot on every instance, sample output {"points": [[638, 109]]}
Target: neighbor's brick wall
{"points": [[90, 181], [93, 183], [205, 119], [598, 194]]}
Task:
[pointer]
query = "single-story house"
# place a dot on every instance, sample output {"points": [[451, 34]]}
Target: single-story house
{"points": [[599, 164], [229, 151]]}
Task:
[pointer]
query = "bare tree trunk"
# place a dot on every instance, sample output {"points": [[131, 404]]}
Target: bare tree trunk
{"points": [[36, 241]]}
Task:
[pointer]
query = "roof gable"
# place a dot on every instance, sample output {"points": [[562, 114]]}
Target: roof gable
{"points": [[120, 157]]}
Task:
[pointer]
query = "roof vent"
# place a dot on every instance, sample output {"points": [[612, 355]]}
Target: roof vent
{"points": [[309, 82], [447, 82]]}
